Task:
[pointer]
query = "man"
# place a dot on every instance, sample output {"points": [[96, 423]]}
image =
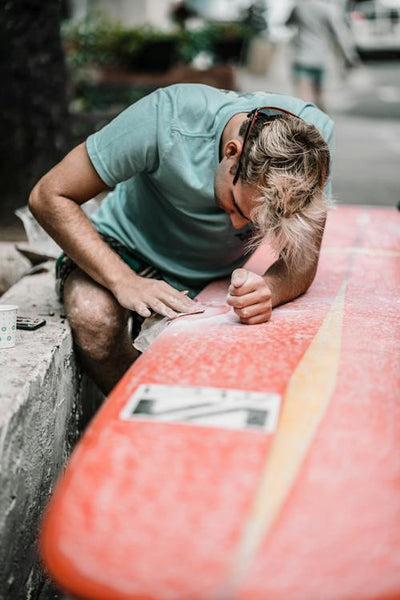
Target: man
{"points": [[193, 179]]}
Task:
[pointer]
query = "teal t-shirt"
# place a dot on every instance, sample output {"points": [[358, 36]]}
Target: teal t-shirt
{"points": [[160, 157]]}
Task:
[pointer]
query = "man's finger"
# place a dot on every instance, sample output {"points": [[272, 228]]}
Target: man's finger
{"points": [[142, 310], [168, 293], [250, 285], [258, 320], [256, 297], [262, 317], [179, 304], [253, 311], [161, 308], [239, 277]]}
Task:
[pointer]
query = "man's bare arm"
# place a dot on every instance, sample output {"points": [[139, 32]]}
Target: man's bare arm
{"points": [[55, 202], [254, 296], [286, 284]]}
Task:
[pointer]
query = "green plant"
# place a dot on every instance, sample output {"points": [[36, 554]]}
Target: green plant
{"points": [[96, 40], [227, 42], [218, 32]]}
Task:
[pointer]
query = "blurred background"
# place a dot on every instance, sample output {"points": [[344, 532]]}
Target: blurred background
{"points": [[69, 66]]}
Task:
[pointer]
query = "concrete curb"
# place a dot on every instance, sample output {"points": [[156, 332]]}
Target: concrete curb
{"points": [[13, 265], [44, 405]]}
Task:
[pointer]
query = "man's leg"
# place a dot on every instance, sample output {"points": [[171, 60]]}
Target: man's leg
{"points": [[100, 329]]}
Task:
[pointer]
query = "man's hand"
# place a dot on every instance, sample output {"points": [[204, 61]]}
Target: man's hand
{"points": [[250, 297], [145, 296]]}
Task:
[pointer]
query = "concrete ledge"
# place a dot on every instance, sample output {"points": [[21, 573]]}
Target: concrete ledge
{"points": [[13, 265], [44, 405]]}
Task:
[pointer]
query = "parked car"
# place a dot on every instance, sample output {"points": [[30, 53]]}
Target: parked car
{"points": [[376, 27]]}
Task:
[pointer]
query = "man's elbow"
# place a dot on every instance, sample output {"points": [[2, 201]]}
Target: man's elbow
{"points": [[35, 197], [39, 199]]}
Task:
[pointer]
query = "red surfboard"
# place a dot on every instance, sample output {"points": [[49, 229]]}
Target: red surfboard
{"points": [[251, 462]]}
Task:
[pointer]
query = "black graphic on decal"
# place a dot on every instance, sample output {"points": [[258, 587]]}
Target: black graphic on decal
{"points": [[253, 417]]}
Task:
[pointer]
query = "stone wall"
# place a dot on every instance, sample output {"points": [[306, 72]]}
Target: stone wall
{"points": [[44, 405]]}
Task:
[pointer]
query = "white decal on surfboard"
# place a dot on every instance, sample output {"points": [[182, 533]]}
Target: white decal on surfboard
{"points": [[205, 406]]}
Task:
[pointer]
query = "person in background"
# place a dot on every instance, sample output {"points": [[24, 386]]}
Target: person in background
{"points": [[320, 26]]}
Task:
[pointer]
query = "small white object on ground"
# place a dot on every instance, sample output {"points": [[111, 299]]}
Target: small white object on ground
{"points": [[8, 325]]}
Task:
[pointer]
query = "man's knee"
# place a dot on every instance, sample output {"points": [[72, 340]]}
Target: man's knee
{"points": [[97, 321]]}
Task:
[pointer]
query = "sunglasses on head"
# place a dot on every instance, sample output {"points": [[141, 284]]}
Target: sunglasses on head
{"points": [[252, 117]]}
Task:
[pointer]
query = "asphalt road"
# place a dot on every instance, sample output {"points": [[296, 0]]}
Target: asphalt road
{"points": [[367, 115]]}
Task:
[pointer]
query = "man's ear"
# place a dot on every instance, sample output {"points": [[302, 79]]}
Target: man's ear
{"points": [[233, 148]]}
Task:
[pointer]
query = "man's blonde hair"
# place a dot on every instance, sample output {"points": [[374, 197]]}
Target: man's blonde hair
{"points": [[288, 160]]}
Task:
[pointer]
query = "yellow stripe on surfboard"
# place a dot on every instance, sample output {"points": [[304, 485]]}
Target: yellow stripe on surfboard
{"points": [[307, 397]]}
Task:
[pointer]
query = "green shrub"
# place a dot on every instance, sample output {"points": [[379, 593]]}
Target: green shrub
{"points": [[219, 32], [96, 40]]}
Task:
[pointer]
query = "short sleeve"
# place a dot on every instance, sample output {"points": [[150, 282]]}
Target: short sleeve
{"points": [[129, 143]]}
